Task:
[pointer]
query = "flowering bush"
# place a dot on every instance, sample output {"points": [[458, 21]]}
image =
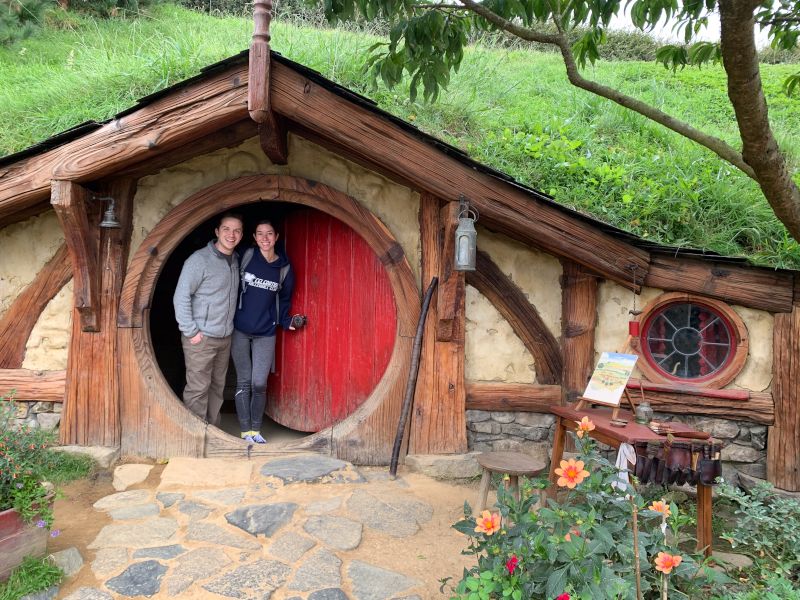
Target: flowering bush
{"points": [[598, 540], [22, 459]]}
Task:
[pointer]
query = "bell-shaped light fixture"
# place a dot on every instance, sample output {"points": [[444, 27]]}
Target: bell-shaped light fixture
{"points": [[110, 220], [466, 237]]}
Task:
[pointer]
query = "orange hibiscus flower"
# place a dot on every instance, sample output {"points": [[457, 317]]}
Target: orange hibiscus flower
{"points": [[666, 562], [661, 507], [571, 473], [584, 426], [488, 523]]}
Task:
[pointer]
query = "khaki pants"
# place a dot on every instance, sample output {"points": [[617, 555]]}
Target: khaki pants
{"points": [[206, 367]]}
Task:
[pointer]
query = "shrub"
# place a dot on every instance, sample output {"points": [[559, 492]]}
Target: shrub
{"points": [[767, 529], [588, 544], [19, 18], [22, 454]]}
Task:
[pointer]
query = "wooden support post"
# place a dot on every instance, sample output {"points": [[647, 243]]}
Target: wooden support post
{"points": [[21, 317], [438, 423], [91, 408], [70, 202], [578, 320], [783, 438], [523, 317]]}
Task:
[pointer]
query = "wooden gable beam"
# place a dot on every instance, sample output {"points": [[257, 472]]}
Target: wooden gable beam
{"points": [[523, 317], [69, 201], [503, 207], [191, 113]]}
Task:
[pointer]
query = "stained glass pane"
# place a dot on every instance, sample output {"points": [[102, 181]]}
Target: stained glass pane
{"points": [[688, 341]]}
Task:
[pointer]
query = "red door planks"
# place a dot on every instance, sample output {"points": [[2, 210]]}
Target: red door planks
{"points": [[326, 370]]}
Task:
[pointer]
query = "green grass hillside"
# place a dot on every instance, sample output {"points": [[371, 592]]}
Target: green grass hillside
{"points": [[511, 109]]}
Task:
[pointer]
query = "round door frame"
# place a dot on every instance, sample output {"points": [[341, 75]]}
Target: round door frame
{"points": [[150, 257]]}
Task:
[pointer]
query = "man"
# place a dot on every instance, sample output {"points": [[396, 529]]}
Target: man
{"points": [[205, 302]]}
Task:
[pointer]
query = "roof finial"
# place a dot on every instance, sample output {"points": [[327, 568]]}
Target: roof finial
{"points": [[258, 80]]}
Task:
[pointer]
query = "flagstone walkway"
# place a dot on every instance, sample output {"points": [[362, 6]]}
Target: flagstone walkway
{"points": [[304, 527]]}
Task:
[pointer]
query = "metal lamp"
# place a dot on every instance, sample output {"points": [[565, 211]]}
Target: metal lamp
{"points": [[466, 237]]}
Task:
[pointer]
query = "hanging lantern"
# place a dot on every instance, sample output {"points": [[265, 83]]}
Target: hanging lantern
{"points": [[466, 237], [633, 322]]}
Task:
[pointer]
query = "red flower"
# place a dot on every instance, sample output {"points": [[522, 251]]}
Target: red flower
{"points": [[512, 564], [564, 596], [666, 562]]}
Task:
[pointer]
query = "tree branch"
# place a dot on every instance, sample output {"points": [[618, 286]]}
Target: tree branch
{"points": [[716, 145], [529, 35], [759, 146]]}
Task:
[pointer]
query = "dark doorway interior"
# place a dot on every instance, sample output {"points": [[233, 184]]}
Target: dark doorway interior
{"points": [[163, 328]]}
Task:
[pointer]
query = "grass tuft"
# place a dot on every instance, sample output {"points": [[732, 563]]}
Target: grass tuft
{"points": [[33, 575]]}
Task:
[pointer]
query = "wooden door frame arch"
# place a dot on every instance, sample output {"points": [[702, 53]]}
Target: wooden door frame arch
{"points": [[363, 437]]}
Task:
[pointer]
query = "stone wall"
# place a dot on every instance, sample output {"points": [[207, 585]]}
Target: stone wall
{"points": [[743, 443], [44, 415]]}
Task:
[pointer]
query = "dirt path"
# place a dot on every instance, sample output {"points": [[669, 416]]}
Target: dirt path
{"points": [[432, 553]]}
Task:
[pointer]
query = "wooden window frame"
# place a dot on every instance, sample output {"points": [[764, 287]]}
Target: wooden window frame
{"points": [[739, 343]]}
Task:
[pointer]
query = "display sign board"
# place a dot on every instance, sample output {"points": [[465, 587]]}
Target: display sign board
{"points": [[609, 378]]}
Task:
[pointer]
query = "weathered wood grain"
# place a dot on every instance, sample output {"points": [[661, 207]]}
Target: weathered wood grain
{"points": [[45, 386], [91, 409], [438, 424], [259, 63], [272, 136], [21, 317], [523, 317], [522, 397], [759, 408], [760, 288], [71, 203], [578, 322], [451, 290], [783, 438]]}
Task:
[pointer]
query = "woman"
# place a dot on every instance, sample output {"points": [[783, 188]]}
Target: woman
{"points": [[265, 293]]}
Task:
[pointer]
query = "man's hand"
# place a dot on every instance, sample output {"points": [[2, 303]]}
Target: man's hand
{"points": [[196, 339]]}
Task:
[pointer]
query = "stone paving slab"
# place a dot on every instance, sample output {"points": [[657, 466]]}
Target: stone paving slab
{"points": [[197, 542]]}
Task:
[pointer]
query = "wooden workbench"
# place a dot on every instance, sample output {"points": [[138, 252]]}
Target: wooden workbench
{"points": [[567, 419]]}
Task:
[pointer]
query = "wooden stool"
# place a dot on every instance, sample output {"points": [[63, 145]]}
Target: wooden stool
{"points": [[512, 464]]}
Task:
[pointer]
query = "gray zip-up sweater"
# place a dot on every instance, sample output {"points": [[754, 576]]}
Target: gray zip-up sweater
{"points": [[205, 299]]}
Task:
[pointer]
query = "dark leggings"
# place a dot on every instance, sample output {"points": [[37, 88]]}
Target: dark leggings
{"points": [[252, 356]]}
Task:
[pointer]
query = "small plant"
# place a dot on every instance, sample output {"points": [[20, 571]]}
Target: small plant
{"points": [[767, 529], [33, 575], [23, 453], [600, 540]]}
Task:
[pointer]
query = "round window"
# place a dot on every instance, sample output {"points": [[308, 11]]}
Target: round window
{"points": [[689, 341]]}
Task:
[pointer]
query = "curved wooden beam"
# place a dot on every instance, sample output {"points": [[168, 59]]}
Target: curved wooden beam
{"points": [[363, 437], [20, 318], [523, 317]]}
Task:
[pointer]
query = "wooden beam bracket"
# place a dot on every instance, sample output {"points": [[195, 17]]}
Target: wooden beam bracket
{"points": [[69, 201], [451, 282]]}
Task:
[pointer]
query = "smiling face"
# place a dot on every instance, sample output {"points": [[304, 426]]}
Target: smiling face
{"points": [[229, 234], [265, 237]]}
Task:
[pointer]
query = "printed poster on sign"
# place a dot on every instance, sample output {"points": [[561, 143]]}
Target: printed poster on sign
{"points": [[610, 377]]}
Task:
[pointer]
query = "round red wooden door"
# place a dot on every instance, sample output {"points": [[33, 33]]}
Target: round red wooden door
{"points": [[324, 371]]}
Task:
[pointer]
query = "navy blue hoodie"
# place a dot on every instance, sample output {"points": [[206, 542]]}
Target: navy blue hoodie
{"points": [[255, 314]]}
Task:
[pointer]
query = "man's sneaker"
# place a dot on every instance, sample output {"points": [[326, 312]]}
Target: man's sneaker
{"points": [[258, 439], [249, 439]]}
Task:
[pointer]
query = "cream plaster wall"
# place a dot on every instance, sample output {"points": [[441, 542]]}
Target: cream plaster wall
{"points": [[48, 345], [26, 248], [614, 302], [395, 205], [493, 352], [537, 274]]}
